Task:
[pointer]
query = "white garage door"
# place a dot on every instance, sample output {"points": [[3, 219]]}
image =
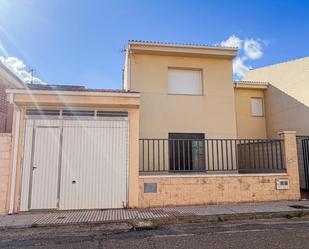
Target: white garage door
{"points": [[75, 163]]}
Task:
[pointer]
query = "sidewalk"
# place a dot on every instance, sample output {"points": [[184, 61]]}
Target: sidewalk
{"points": [[160, 215]]}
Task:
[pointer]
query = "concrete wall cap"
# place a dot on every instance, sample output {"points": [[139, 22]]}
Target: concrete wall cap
{"points": [[286, 132]]}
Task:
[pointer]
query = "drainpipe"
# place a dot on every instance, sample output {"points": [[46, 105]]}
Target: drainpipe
{"points": [[129, 69], [15, 154]]}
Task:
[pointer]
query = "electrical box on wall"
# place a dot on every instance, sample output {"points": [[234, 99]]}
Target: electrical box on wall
{"points": [[282, 184], [150, 187]]}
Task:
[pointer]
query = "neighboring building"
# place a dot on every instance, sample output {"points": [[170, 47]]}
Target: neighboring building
{"points": [[250, 109], [178, 134], [287, 96], [287, 104], [7, 80]]}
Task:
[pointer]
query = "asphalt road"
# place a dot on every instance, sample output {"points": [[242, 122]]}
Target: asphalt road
{"points": [[266, 234]]}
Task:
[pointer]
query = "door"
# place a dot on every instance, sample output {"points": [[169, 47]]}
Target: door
{"points": [[305, 170], [75, 163], [44, 168], [94, 164], [186, 152]]}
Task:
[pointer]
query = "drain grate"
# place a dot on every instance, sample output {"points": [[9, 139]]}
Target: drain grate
{"points": [[143, 228], [299, 207]]}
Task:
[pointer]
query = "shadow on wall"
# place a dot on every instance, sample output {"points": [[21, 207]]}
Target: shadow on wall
{"points": [[285, 113]]}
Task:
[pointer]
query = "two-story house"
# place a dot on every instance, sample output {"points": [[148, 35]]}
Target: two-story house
{"points": [[178, 133]]}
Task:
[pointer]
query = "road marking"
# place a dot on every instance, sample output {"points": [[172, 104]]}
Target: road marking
{"points": [[265, 223], [174, 235], [244, 231]]}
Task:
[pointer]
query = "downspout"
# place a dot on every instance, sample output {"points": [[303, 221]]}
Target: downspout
{"points": [[15, 154], [129, 73], [126, 72]]}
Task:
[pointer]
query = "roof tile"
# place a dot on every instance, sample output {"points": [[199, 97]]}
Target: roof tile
{"points": [[73, 88], [180, 44]]}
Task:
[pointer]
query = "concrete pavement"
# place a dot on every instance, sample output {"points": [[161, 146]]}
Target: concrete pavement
{"points": [[159, 215]]}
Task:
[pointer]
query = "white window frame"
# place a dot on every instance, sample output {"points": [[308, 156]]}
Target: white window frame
{"points": [[262, 107], [186, 69]]}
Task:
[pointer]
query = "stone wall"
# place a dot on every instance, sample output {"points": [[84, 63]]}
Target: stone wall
{"points": [[5, 152], [201, 190], [173, 190]]}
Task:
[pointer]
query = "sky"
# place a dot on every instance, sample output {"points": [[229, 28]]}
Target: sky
{"points": [[80, 42]]}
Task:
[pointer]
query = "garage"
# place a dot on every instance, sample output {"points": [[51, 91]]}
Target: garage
{"points": [[75, 159], [74, 148]]}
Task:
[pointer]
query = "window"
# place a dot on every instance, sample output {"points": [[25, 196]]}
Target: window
{"points": [[257, 107], [186, 152], [185, 81]]}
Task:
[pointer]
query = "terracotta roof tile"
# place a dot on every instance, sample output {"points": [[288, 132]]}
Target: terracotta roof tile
{"points": [[179, 44], [249, 82]]}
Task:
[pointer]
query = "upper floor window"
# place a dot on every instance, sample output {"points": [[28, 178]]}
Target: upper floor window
{"points": [[185, 81], [257, 107]]}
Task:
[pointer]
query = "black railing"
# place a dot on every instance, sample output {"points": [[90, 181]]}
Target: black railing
{"points": [[211, 155], [303, 161]]}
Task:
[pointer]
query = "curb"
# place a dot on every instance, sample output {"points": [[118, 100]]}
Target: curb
{"points": [[232, 217], [179, 219]]}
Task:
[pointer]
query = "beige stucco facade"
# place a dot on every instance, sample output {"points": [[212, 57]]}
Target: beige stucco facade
{"points": [[287, 97], [222, 111], [212, 113], [249, 126]]}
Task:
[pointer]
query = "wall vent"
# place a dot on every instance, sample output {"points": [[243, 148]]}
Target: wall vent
{"points": [[75, 113], [80, 113], [42, 112], [112, 114]]}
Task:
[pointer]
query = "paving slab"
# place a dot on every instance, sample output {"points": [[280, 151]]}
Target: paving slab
{"points": [[169, 213]]}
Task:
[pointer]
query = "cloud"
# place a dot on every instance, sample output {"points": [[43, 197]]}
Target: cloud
{"points": [[239, 68], [249, 50], [18, 67], [232, 41], [253, 49]]}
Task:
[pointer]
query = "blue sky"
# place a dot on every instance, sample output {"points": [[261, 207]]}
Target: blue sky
{"points": [[80, 42]]}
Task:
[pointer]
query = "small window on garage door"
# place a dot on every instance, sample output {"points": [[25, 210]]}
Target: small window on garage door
{"points": [[186, 152]]}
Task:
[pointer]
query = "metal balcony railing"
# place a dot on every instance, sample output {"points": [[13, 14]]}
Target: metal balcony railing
{"points": [[211, 155]]}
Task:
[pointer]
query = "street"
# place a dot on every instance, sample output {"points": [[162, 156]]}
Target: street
{"points": [[272, 234]]}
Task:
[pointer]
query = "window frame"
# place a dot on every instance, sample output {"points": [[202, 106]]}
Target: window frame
{"points": [[200, 70], [262, 102]]}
